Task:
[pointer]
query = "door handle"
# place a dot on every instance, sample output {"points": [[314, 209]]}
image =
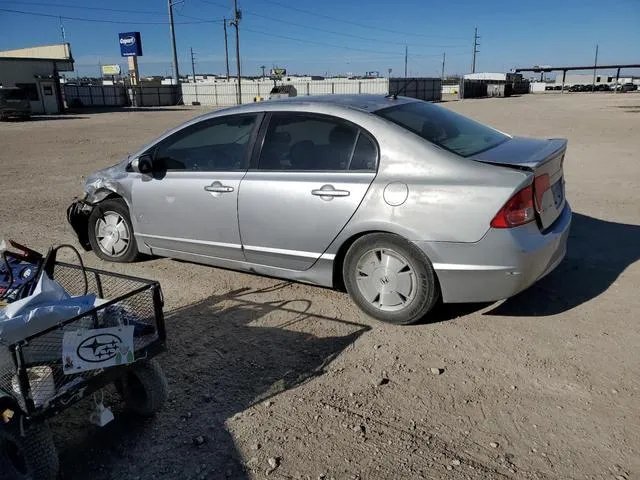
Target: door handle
{"points": [[217, 187], [329, 191]]}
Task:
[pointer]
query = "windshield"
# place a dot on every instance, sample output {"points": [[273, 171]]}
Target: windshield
{"points": [[444, 128]]}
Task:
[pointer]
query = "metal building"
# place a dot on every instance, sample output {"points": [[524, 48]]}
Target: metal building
{"points": [[37, 71]]}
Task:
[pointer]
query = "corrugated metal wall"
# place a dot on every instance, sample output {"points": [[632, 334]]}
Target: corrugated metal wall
{"points": [[225, 94], [429, 89], [119, 96]]}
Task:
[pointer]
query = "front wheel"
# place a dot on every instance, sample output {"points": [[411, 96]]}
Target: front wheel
{"points": [[111, 232], [390, 279]]}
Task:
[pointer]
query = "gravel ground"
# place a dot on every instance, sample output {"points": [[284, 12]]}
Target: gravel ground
{"points": [[291, 381]]}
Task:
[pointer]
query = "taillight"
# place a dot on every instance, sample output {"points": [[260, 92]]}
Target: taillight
{"points": [[540, 186], [517, 211]]}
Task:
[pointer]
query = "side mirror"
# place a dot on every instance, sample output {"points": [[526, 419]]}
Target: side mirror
{"points": [[143, 164]]}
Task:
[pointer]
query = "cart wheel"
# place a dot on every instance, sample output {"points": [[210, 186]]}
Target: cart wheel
{"points": [[144, 388], [32, 457]]}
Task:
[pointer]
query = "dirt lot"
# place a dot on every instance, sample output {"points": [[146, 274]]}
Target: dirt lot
{"points": [[544, 385]]}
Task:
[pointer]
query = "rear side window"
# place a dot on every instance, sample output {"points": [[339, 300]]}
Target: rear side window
{"points": [[365, 155], [444, 128], [307, 142]]}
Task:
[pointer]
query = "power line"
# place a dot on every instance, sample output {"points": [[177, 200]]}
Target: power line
{"points": [[350, 22], [196, 18], [95, 20], [323, 44], [83, 7], [368, 39], [333, 32]]}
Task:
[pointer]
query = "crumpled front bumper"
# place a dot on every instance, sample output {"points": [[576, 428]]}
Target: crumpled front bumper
{"points": [[78, 217]]}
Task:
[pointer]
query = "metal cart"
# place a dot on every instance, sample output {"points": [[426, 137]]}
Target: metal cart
{"points": [[37, 383]]}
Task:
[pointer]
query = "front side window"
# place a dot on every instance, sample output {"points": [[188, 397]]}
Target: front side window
{"points": [[214, 145], [305, 142], [444, 128]]}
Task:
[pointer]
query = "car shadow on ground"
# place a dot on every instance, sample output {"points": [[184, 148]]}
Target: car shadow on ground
{"points": [[598, 252], [226, 353]]}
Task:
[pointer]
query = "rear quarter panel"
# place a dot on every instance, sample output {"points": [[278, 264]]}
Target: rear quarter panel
{"points": [[449, 199]]}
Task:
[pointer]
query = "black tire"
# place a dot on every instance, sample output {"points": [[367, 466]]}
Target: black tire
{"points": [[104, 209], [32, 457], [144, 388], [424, 292]]}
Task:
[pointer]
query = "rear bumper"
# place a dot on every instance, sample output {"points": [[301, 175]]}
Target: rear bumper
{"points": [[503, 263]]}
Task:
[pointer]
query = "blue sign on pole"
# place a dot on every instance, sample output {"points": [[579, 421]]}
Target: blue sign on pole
{"points": [[130, 44]]}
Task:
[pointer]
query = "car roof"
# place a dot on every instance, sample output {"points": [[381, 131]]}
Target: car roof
{"points": [[363, 102]]}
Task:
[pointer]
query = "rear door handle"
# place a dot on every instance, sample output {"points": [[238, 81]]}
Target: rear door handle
{"points": [[330, 192], [217, 187]]}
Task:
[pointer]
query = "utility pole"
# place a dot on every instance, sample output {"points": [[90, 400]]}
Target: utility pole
{"points": [[226, 47], [193, 71], [475, 50], [237, 16], [406, 54], [62, 33], [444, 56], [595, 66], [193, 65], [176, 73]]}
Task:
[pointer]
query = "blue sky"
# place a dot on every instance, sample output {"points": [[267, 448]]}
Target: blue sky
{"points": [[336, 36]]}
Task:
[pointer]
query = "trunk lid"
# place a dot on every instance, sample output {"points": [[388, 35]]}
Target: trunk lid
{"points": [[545, 159]]}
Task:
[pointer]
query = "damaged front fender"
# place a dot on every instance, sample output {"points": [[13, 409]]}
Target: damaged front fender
{"points": [[109, 182]]}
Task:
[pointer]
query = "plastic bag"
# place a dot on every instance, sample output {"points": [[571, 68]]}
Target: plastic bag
{"points": [[47, 306]]}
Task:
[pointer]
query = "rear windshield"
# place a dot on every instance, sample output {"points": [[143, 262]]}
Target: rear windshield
{"points": [[444, 128], [13, 94]]}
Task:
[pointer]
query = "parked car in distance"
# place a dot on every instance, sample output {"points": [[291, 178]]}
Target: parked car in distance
{"points": [[628, 87], [575, 88], [399, 201], [14, 103], [557, 87]]}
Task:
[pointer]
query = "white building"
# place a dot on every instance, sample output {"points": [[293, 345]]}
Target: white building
{"points": [[37, 71], [587, 79]]}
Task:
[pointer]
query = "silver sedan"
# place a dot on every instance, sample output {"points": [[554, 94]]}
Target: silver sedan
{"points": [[401, 202]]}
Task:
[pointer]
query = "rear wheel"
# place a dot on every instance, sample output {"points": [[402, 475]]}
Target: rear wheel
{"points": [[144, 388], [29, 457], [390, 279], [111, 232]]}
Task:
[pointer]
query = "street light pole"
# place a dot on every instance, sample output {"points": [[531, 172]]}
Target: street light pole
{"points": [[173, 43]]}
